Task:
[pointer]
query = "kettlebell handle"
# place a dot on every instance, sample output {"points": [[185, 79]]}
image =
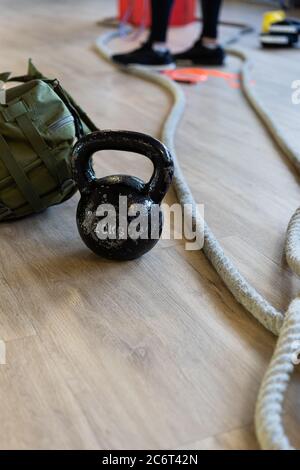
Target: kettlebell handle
{"points": [[128, 141]]}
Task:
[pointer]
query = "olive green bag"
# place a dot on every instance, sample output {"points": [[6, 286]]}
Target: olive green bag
{"points": [[39, 123]]}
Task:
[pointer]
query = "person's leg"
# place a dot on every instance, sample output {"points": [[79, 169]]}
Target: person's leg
{"points": [[206, 50], [154, 52], [210, 17], [160, 14]]}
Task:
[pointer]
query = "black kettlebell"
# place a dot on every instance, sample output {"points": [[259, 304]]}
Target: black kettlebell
{"points": [[119, 216]]}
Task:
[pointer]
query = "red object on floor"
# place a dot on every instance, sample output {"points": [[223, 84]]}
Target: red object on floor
{"points": [[185, 76], [137, 12], [196, 74]]}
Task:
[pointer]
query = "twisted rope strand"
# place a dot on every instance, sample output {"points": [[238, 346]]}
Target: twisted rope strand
{"points": [[292, 245], [269, 408]]}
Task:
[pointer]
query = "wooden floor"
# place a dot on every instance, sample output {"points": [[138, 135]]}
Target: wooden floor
{"points": [[153, 353]]}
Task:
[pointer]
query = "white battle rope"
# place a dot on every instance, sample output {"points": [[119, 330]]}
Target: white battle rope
{"points": [[269, 409]]}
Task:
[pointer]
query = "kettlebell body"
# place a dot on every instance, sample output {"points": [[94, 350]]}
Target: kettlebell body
{"points": [[119, 216]]}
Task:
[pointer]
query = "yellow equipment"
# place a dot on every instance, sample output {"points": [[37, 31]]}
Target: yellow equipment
{"points": [[278, 30], [271, 17]]}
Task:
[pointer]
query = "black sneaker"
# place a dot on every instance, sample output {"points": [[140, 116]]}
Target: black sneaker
{"points": [[199, 54], [146, 56]]}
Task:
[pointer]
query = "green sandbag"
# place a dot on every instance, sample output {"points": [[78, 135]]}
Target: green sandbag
{"points": [[39, 124]]}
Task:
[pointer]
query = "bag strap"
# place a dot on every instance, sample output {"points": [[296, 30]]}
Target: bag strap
{"points": [[20, 177], [71, 104]]}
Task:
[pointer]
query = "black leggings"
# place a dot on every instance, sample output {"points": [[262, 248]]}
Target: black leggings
{"points": [[161, 10]]}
